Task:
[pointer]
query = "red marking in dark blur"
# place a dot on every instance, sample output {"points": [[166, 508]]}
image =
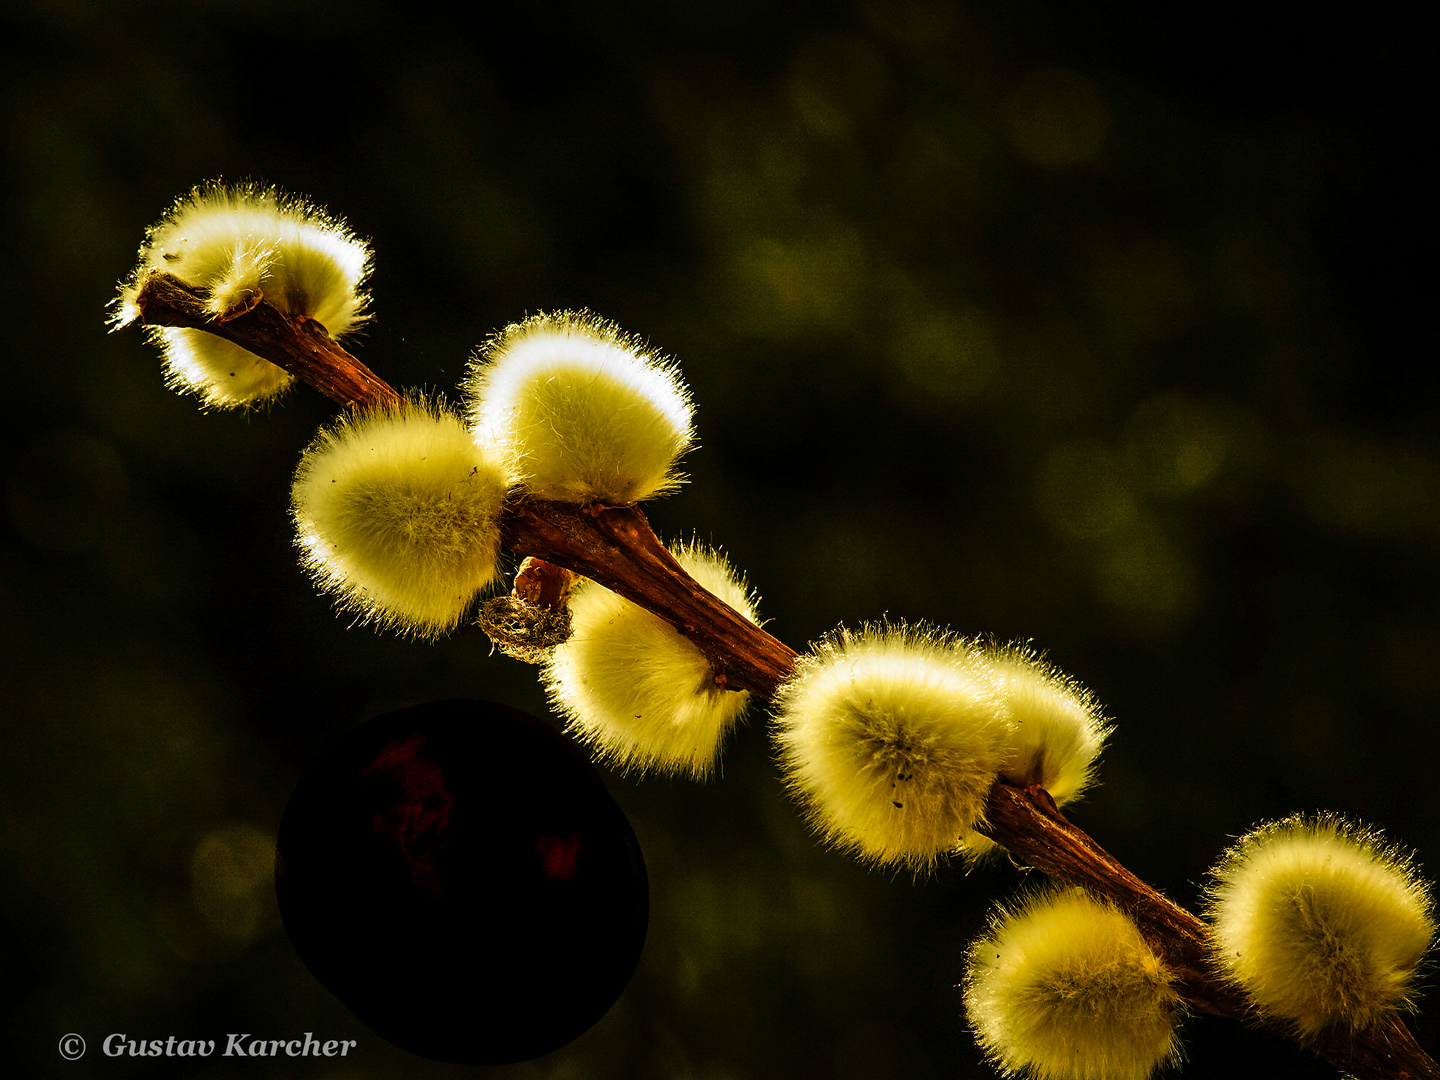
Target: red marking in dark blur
{"points": [[395, 754], [415, 807], [560, 859]]}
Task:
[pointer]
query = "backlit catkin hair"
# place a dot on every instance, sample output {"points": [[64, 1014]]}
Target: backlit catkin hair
{"points": [[636, 690], [397, 515], [239, 245], [1058, 730], [1064, 987], [1320, 922], [582, 412], [891, 738]]}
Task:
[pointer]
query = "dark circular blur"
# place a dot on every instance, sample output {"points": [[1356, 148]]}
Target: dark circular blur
{"points": [[457, 874]]}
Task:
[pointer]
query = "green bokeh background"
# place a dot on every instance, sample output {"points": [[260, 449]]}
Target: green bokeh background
{"points": [[1091, 326]]}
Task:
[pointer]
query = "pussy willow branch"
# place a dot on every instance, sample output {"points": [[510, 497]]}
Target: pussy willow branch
{"points": [[616, 547], [1026, 822], [301, 346]]}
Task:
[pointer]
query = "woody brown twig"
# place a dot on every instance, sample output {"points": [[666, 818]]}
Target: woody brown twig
{"points": [[300, 346], [1026, 823], [616, 547]]}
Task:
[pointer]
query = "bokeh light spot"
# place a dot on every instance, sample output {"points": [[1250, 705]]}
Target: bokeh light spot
{"points": [[1082, 491], [231, 879], [947, 358], [1178, 444]]}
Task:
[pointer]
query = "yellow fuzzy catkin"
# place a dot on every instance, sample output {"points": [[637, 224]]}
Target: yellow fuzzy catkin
{"points": [[891, 738], [239, 244], [1058, 730], [397, 515], [1064, 987], [582, 412], [1320, 922], [636, 690]]}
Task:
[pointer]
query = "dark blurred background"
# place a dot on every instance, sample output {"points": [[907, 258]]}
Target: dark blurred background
{"points": [[1085, 324]]}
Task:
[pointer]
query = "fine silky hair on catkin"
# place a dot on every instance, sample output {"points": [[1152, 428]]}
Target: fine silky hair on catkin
{"points": [[581, 412], [632, 687], [397, 515], [891, 738], [1320, 922], [1057, 730], [1065, 987], [240, 244]]}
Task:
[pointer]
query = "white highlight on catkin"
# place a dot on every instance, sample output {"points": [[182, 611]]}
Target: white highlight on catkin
{"points": [[1320, 922], [239, 244], [891, 738], [582, 412], [1064, 987], [397, 516], [639, 693]]}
